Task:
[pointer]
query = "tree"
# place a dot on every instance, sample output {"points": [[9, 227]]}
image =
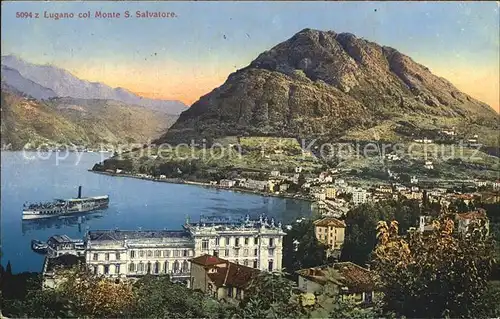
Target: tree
{"points": [[92, 296], [158, 297], [8, 269], [441, 274], [331, 304], [270, 295], [301, 249], [361, 222]]}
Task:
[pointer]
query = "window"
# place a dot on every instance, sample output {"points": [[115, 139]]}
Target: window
{"points": [[157, 253], [166, 253], [319, 230], [255, 264], [165, 267], [176, 253], [271, 242], [157, 267], [246, 241], [256, 240], [150, 253], [255, 252], [236, 242], [117, 256], [148, 269], [245, 252], [236, 252], [106, 269], [106, 256], [176, 266], [185, 266], [141, 253], [216, 253], [117, 269], [228, 241], [230, 292], [185, 253], [238, 293], [204, 244], [131, 267], [271, 252], [270, 265], [226, 252], [141, 267], [245, 262], [95, 257], [217, 241], [132, 254]]}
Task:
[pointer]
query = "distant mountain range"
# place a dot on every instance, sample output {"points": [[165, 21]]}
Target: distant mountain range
{"points": [[83, 122], [46, 81], [46, 104], [333, 86]]}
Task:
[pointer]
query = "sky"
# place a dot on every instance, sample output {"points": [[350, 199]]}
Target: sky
{"points": [[187, 56]]}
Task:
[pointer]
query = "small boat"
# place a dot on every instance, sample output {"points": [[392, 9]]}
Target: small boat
{"points": [[39, 246]]}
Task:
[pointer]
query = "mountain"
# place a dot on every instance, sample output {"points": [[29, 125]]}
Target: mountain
{"points": [[14, 80], [65, 84], [78, 121], [330, 86]]}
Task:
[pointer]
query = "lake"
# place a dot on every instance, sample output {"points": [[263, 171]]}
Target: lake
{"points": [[134, 203]]}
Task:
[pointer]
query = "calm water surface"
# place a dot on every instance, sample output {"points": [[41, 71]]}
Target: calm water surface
{"points": [[134, 203]]}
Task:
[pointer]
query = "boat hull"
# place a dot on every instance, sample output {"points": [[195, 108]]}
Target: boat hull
{"points": [[79, 209]]}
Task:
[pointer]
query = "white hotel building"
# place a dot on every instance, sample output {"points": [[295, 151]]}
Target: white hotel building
{"points": [[125, 253]]}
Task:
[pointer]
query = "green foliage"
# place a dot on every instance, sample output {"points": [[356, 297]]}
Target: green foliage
{"points": [[441, 274], [158, 297], [270, 295], [301, 249], [360, 238]]}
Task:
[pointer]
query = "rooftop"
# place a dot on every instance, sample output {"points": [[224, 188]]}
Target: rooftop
{"points": [[113, 235], [62, 239], [330, 221], [478, 214], [226, 273], [355, 278], [65, 261]]}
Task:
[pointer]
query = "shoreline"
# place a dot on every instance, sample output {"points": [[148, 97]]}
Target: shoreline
{"points": [[207, 185]]}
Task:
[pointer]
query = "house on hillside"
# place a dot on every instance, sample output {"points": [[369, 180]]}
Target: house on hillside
{"points": [[356, 283], [465, 219], [220, 278], [330, 231]]}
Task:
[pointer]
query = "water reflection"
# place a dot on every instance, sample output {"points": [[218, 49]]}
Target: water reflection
{"points": [[60, 222]]}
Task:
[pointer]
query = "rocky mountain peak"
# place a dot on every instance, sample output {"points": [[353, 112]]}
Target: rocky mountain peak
{"points": [[322, 83]]}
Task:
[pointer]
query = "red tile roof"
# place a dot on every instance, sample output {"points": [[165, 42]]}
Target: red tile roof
{"points": [[233, 275], [355, 278], [478, 214], [225, 273], [207, 260]]}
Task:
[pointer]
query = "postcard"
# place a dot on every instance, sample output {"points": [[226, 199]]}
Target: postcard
{"points": [[283, 159]]}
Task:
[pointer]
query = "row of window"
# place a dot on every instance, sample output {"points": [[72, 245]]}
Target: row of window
{"points": [[158, 268], [227, 242], [107, 256], [331, 228], [226, 252], [159, 253]]}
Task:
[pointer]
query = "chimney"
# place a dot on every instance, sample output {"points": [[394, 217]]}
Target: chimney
{"points": [[79, 191]]}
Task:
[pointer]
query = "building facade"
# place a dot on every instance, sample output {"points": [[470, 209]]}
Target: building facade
{"points": [[117, 253], [330, 231], [125, 253], [256, 244]]}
